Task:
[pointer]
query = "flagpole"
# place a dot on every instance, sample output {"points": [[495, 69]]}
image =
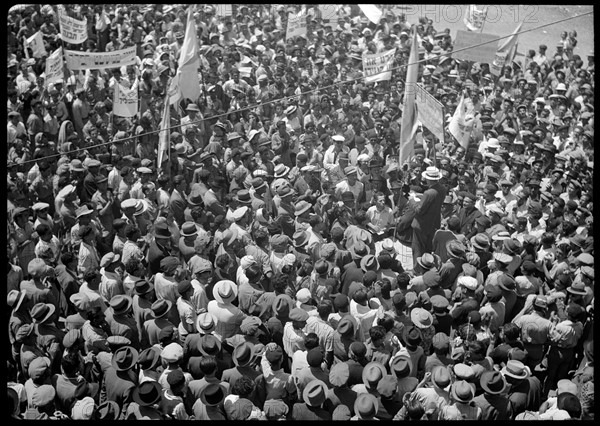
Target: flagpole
{"points": [[484, 18]]}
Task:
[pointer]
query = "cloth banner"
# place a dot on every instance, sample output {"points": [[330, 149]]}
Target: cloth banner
{"points": [[372, 12], [54, 67], [410, 124], [474, 18], [296, 26], [505, 52], [189, 61], [466, 40], [430, 111], [36, 44], [224, 10], [378, 67], [72, 30], [125, 101], [164, 134], [461, 124], [77, 60]]}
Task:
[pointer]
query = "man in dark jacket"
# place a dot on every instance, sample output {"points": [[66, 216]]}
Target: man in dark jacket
{"points": [[428, 213]]}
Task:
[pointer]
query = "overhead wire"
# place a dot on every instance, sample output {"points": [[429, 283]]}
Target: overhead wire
{"points": [[318, 89]]}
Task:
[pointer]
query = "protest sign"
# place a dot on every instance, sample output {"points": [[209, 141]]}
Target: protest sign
{"points": [[506, 52], [125, 101], [430, 111], [468, 40], [54, 67], [224, 10], [36, 44], [378, 67], [296, 26], [72, 30], [100, 60]]}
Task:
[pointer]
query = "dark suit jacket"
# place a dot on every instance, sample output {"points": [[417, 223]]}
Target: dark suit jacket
{"points": [[178, 205], [156, 253], [428, 214], [89, 187]]}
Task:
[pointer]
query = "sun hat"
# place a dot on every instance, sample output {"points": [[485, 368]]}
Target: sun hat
{"points": [[173, 352], [431, 173], [421, 318], [426, 261], [366, 406], [462, 391], [515, 369], [456, 249], [372, 373], [225, 291]]}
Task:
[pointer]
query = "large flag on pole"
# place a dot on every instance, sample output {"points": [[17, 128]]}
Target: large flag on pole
{"points": [[409, 114], [506, 52], [461, 124], [189, 61], [372, 12], [164, 134]]}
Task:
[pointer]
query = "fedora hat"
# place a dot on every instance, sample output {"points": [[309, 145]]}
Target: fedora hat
{"points": [[149, 358], [15, 299], [108, 410], [143, 287], [192, 107], [301, 207], [243, 354], [147, 393], [41, 312], [411, 336], [243, 197], [516, 369], [368, 263], [161, 308], [280, 171], [421, 318], [373, 373], [314, 393], [427, 261], [480, 241], [493, 382], [400, 366], [455, 249], [161, 230], [577, 288], [120, 304], [512, 246], [212, 395], [300, 238], [225, 291], [431, 173], [195, 196], [440, 376], [366, 406], [358, 250], [124, 358], [205, 323], [462, 391], [188, 229], [209, 345]]}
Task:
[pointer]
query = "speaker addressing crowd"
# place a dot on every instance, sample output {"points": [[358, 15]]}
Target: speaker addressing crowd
{"points": [[214, 212]]}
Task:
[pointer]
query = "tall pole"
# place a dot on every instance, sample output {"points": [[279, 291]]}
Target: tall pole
{"points": [[484, 18]]}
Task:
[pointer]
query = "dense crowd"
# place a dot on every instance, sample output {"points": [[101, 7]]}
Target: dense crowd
{"points": [[279, 263]]}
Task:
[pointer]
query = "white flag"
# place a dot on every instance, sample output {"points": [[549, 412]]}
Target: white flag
{"points": [[189, 61], [506, 52], [36, 44], [461, 124], [372, 12], [164, 135]]}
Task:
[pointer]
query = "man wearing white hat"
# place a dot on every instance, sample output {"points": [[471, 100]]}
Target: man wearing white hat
{"points": [[428, 213]]}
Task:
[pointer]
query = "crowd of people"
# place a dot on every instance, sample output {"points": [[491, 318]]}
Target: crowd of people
{"points": [[279, 263]]}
